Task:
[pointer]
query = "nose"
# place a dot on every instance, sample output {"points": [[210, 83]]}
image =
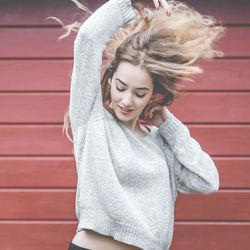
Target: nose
{"points": [[127, 100]]}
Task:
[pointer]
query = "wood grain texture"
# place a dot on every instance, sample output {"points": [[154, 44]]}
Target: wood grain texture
{"points": [[38, 140], [37, 169], [55, 75], [35, 172], [211, 236], [27, 12], [60, 172], [56, 204], [44, 43], [190, 107], [51, 235]]}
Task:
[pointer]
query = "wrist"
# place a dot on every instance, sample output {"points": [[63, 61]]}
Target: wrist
{"points": [[166, 113]]}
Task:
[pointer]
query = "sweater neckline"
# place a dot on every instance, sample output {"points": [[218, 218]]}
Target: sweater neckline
{"points": [[139, 137], [127, 129]]}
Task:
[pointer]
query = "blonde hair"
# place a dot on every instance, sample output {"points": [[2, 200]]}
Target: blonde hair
{"points": [[166, 46]]}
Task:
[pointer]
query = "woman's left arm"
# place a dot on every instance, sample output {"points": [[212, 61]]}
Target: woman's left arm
{"points": [[194, 169]]}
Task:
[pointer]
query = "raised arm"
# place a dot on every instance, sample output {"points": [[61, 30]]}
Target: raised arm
{"points": [[90, 42], [194, 169]]}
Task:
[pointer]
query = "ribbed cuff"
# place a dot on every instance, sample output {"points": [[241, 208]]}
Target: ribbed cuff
{"points": [[168, 128], [127, 11]]}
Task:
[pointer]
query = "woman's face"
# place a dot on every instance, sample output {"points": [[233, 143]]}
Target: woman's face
{"points": [[131, 88]]}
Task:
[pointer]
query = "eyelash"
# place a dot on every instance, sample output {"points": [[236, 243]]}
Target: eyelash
{"points": [[140, 96]]}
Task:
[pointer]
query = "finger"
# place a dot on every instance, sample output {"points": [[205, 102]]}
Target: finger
{"points": [[165, 6], [156, 3], [143, 14], [151, 113]]}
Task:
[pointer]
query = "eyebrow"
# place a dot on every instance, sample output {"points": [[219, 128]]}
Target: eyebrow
{"points": [[127, 85]]}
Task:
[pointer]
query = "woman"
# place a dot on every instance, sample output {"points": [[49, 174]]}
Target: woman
{"points": [[129, 174]]}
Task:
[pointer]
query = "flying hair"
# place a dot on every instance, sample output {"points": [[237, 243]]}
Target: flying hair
{"points": [[168, 47]]}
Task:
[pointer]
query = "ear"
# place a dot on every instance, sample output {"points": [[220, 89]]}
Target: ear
{"points": [[152, 97], [109, 82]]}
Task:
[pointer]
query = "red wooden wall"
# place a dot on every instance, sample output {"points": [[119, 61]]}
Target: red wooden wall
{"points": [[37, 169]]}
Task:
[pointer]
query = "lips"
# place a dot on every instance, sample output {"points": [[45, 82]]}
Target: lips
{"points": [[126, 111]]}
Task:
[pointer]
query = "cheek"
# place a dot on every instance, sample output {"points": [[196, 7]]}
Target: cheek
{"points": [[144, 102], [114, 95]]}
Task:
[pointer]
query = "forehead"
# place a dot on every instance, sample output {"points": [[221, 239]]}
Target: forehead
{"points": [[133, 75]]}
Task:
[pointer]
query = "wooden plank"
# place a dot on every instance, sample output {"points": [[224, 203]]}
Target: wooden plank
{"points": [[233, 171], [55, 75], [36, 140], [60, 172], [59, 204], [222, 205], [223, 74], [35, 75], [33, 42], [49, 172], [37, 204], [212, 107], [190, 107], [225, 11], [43, 43], [233, 36], [211, 236], [43, 107], [53, 235], [27, 12], [33, 12], [36, 235], [222, 139]]}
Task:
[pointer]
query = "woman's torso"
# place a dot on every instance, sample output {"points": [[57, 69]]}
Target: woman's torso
{"points": [[92, 240]]}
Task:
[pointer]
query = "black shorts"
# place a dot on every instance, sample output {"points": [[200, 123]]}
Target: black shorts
{"points": [[72, 246]]}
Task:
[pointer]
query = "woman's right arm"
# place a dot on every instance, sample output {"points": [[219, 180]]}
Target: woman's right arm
{"points": [[90, 42]]}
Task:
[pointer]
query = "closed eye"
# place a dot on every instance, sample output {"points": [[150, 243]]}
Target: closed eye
{"points": [[124, 89]]}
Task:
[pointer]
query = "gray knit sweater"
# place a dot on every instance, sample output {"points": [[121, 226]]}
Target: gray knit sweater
{"points": [[127, 185]]}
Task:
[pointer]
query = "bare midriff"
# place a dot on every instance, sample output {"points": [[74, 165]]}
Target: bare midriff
{"points": [[92, 240]]}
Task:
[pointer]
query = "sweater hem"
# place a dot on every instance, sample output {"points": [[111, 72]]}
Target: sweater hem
{"points": [[124, 232]]}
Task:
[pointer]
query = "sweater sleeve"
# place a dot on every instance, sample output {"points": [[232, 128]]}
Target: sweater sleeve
{"points": [[89, 44], [194, 169]]}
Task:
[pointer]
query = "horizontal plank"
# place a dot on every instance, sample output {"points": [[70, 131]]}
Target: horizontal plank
{"points": [[222, 205], [212, 107], [36, 75], [43, 107], [38, 172], [234, 172], [52, 235], [49, 139], [35, 12], [222, 139], [55, 75], [190, 107], [43, 42], [32, 42], [211, 236], [233, 36], [231, 74], [34, 140], [37, 204], [31, 235], [60, 172], [59, 204]]}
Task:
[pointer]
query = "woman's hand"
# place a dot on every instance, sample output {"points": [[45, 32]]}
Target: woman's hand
{"points": [[139, 5], [158, 115]]}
